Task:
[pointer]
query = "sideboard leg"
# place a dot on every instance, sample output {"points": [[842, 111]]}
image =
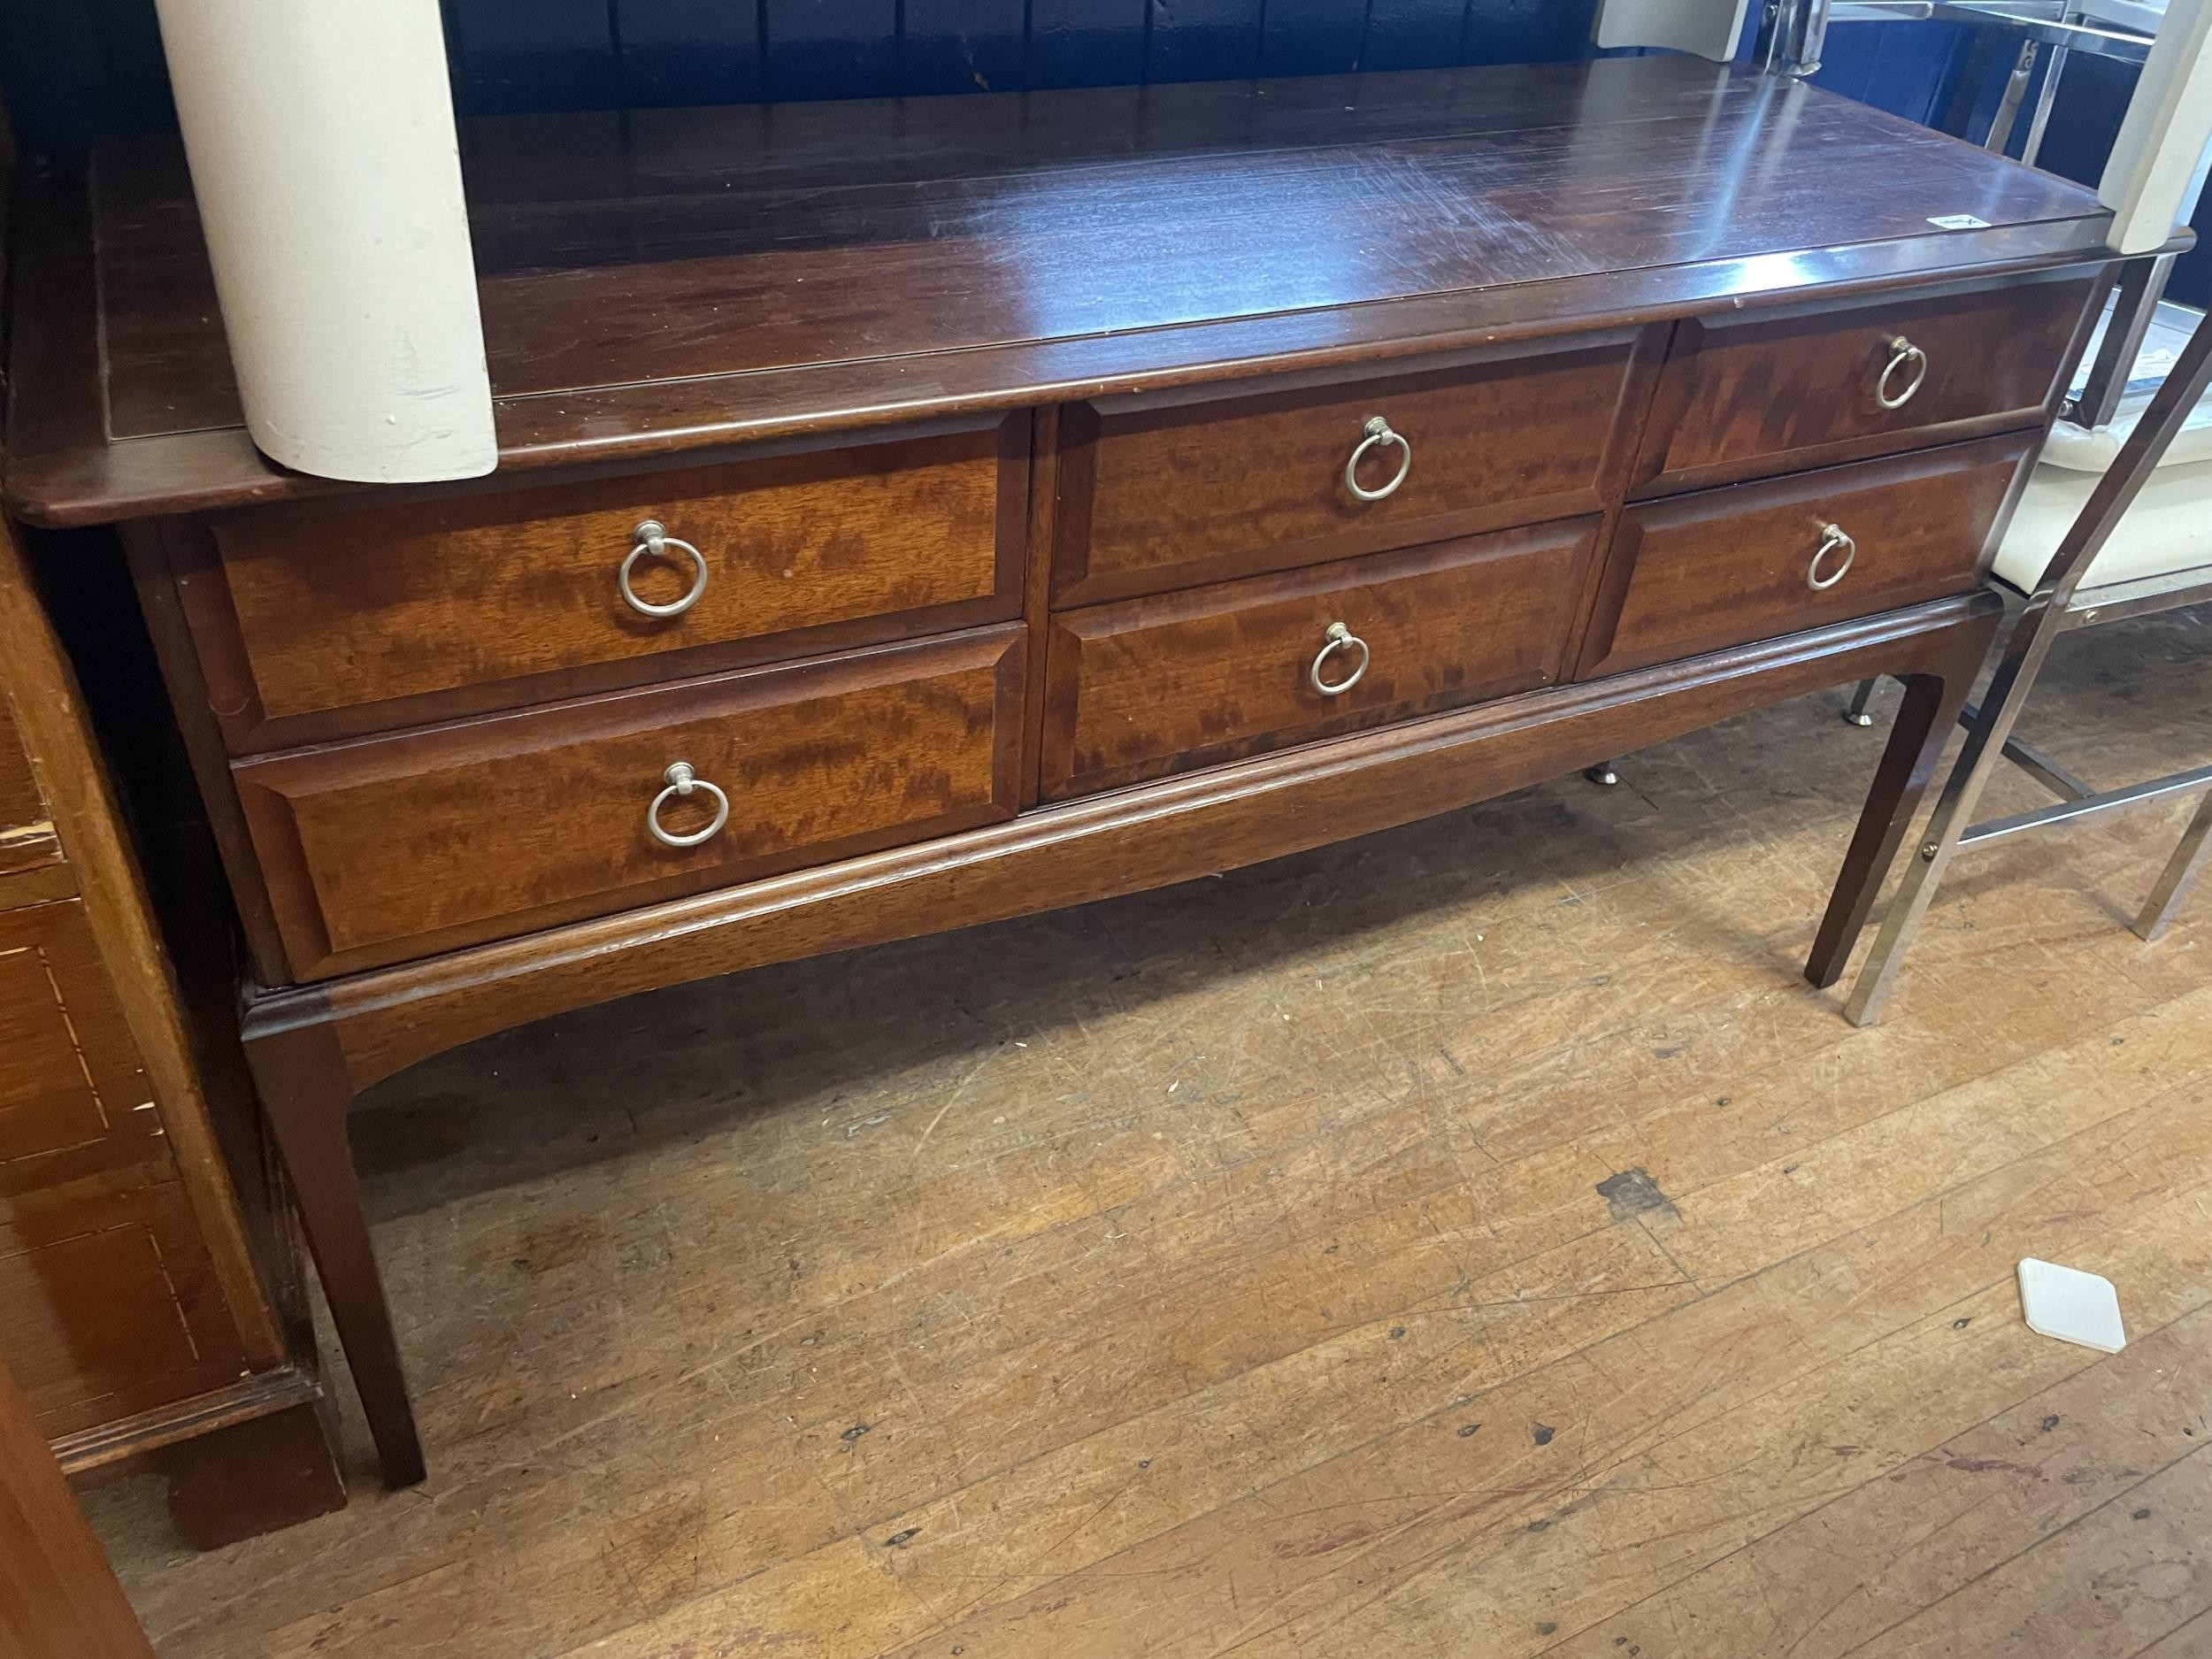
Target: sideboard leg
{"points": [[1924, 723], [306, 1091]]}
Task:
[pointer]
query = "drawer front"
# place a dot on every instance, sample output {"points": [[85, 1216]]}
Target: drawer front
{"points": [[1746, 396], [527, 820], [401, 615], [1158, 494], [1726, 566], [1148, 687]]}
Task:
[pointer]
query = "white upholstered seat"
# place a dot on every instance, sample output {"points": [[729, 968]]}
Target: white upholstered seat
{"points": [[2168, 529]]}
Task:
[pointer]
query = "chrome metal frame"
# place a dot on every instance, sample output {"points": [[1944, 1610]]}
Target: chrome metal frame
{"points": [[2180, 870], [2057, 605], [1793, 34], [2142, 284]]}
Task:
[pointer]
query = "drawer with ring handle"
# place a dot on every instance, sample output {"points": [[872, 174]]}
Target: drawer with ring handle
{"points": [[1175, 490], [1746, 395], [322, 623], [578, 808], [1148, 687], [1725, 566]]}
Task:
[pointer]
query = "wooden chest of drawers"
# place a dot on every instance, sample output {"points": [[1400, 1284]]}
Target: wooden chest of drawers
{"points": [[1043, 538]]}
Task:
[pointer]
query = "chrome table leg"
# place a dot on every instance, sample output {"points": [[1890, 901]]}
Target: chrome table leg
{"points": [[2181, 870], [1854, 713]]}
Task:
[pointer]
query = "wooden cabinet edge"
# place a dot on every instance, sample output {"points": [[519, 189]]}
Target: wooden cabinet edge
{"points": [[1042, 551], [147, 546], [58, 1595], [256, 1395], [64, 757]]}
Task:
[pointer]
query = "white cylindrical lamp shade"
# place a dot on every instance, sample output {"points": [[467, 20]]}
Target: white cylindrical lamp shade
{"points": [[320, 137]]}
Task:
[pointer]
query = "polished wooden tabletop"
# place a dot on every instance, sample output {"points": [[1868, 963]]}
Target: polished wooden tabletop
{"points": [[677, 279]]}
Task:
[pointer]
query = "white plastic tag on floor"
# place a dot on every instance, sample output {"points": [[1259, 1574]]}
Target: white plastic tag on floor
{"points": [[2072, 1305]]}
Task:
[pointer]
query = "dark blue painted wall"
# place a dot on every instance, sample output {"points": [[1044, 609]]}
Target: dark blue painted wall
{"points": [[1909, 69], [78, 69]]}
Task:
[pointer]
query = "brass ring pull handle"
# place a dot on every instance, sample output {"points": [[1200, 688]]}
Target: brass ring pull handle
{"points": [[680, 781], [650, 541], [1902, 353], [1340, 639], [1832, 540], [1378, 436]]}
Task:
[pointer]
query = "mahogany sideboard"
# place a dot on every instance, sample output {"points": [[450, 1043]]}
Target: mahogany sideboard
{"points": [[916, 513]]}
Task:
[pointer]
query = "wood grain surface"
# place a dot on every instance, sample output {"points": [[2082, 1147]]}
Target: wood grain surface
{"points": [[1161, 493], [895, 261], [1153, 685], [396, 846], [469, 603], [1744, 396], [22, 808], [1719, 566], [1470, 1239], [60, 1594], [69, 1072]]}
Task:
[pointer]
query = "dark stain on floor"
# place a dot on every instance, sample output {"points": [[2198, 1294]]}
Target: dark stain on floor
{"points": [[1633, 1193]]}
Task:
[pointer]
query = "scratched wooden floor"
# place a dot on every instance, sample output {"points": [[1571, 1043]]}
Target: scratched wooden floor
{"points": [[1473, 1240]]}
